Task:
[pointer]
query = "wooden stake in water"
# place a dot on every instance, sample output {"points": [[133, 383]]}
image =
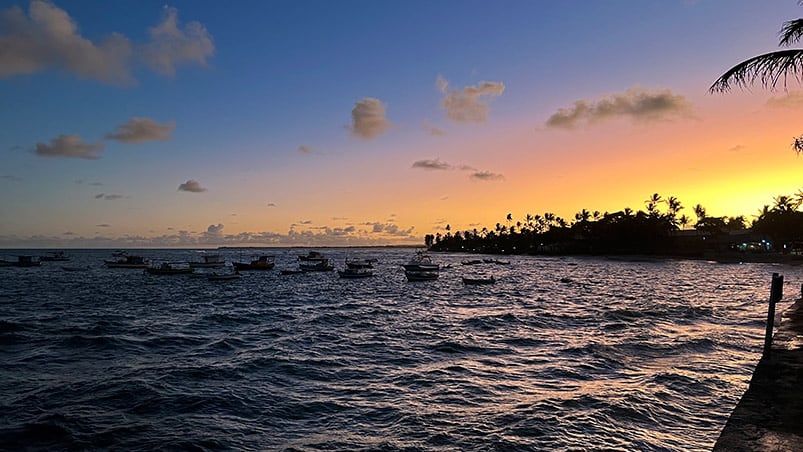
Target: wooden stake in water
{"points": [[776, 293]]}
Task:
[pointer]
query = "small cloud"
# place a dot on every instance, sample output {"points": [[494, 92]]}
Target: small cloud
{"points": [[305, 149], [109, 197], [271, 204], [68, 233], [635, 103], [138, 130], [171, 46], [339, 218], [103, 225], [192, 186], [486, 176], [471, 104], [11, 178], [305, 222], [69, 146], [214, 229], [433, 130], [433, 165], [738, 148], [444, 198], [792, 100], [368, 119]]}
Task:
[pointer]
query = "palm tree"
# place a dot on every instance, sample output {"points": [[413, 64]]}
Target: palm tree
{"points": [[769, 68], [699, 210]]}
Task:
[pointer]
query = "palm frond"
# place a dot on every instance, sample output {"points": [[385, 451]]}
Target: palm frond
{"points": [[791, 32], [767, 69], [797, 144]]}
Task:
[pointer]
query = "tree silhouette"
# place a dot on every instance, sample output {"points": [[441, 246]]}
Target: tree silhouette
{"points": [[769, 68]]}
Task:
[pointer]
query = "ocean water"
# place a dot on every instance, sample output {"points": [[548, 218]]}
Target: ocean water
{"points": [[560, 354]]}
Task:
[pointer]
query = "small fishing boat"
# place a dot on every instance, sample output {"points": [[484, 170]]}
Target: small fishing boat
{"points": [[478, 281], [260, 263], [22, 261], [323, 265], [209, 261], [421, 268], [357, 268], [496, 261], [55, 256], [418, 275], [125, 260], [471, 262], [167, 268]]}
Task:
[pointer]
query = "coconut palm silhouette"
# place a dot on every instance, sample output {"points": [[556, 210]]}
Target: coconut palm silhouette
{"points": [[770, 68]]}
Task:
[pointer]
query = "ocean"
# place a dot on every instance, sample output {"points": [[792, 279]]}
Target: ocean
{"points": [[561, 353]]}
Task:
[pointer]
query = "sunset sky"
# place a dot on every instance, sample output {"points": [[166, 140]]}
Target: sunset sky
{"points": [[135, 124]]}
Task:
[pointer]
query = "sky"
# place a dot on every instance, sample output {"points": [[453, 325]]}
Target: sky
{"points": [[312, 123]]}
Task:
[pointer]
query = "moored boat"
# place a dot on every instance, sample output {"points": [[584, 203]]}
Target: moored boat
{"points": [[478, 281], [421, 275], [421, 262], [55, 256], [167, 268], [22, 261], [209, 261], [260, 263], [357, 268], [125, 260], [320, 265]]}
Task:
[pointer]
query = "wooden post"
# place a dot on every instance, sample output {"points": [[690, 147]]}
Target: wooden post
{"points": [[776, 293]]}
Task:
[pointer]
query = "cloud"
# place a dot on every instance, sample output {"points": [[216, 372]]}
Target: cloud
{"points": [[48, 38], [214, 229], [368, 119], [138, 130], [192, 186], [738, 148], [433, 130], [433, 165], [271, 204], [10, 177], [471, 103], [103, 225], [791, 100], [109, 197], [171, 46], [391, 229], [305, 149], [69, 146], [486, 176], [635, 103]]}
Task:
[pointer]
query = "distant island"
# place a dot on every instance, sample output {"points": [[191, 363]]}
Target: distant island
{"points": [[776, 233]]}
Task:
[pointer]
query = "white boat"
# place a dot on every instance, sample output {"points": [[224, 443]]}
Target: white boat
{"points": [[421, 262], [357, 268], [210, 261], [124, 260], [315, 262]]}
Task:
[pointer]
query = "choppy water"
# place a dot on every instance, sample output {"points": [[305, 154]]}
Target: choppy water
{"points": [[561, 353]]}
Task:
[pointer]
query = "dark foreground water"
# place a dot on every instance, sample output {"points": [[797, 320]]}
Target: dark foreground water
{"points": [[559, 354]]}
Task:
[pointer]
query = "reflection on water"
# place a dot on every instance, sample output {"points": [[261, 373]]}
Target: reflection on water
{"points": [[559, 353]]}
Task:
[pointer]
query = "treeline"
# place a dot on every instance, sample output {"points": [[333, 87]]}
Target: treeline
{"points": [[659, 229]]}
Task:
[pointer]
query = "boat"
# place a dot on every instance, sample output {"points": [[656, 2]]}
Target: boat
{"points": [[421, 268], [357, 268], [478, 281], [421, 262], [223, 276], [22, 261], [322, 265], [260, 263], [311, 256], [55, 256], [210, 261], [125, 260], [471, 262], [167, 268], [496, 261]]}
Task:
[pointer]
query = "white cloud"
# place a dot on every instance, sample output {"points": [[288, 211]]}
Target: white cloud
{"points": [[471, 103], [435, 165], [69, 146], [138, 130], [171, 45], [192, 186], [48, 38], [635, 103], [368, 119], [487, 176]]}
